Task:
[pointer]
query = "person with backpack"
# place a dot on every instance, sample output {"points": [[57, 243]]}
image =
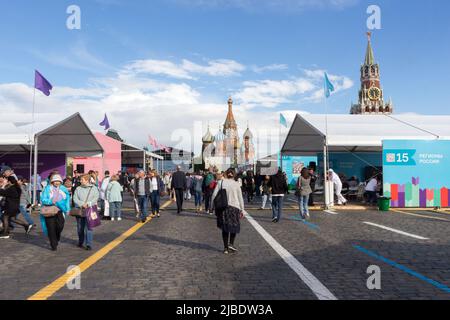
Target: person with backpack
{"points": [[229, 205], [209, 187], [197, 183]]}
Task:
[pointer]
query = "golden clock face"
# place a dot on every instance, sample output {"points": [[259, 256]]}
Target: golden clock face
{"points": [[374, 94]]}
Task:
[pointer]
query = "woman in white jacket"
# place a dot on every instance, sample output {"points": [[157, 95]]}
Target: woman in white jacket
{"points": [[337, 187], [228, 220]]}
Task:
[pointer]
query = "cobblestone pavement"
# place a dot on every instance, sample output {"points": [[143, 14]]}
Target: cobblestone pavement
{"points": [[180, 257]]}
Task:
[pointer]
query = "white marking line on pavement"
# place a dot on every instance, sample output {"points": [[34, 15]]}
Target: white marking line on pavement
{"points": [[321, 292], [331, 212], [396, 231]]}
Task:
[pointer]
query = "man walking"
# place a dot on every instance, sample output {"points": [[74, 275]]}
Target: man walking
{"points": [[179, 185], [279, 187], [141, 190]]}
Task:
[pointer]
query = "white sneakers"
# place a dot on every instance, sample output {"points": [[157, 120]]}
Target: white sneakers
{"points": [[118, 219]]}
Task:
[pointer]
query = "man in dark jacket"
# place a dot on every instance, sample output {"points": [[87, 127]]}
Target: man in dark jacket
{"points": [[179, 185], [279, 187]]}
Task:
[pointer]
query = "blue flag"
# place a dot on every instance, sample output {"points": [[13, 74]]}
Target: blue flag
{"points": [[283, 120], [105, 123], [328, 86]]}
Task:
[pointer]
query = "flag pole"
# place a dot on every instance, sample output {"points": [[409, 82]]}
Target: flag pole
{"points": [[326, 159], [32, 142]]}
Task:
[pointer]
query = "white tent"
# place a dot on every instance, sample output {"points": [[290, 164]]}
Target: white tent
{"points": [[360, 133], [70, 135], [132, 155]]}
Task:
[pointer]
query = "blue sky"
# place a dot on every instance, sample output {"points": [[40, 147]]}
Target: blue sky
{"points": [[179, 60]]}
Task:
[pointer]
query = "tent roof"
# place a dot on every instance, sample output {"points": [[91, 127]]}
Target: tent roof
{"points": [[130, 149], [362, 133], [70, 135]]}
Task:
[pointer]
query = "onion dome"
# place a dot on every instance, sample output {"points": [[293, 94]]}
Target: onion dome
{"points": [[208, 138]]}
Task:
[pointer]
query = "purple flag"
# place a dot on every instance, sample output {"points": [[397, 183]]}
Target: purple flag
{"points": [[105, 123], [42, 84]]}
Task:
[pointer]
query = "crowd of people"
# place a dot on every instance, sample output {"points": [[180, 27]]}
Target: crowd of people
{"points": [[88, 198]]}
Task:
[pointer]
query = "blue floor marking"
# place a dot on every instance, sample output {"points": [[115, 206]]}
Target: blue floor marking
{"points": [[404, 269], [309, 224]]}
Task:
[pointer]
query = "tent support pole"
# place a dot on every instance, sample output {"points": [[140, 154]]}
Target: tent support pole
{"points": [[35, 170], [325, 170]]}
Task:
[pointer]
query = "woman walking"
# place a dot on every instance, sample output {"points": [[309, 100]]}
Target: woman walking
{"points": [[85, 197], [198, 192], [156, 189], [266, 193], [228, 220], [114, 198], [12, 194], [25, 201], [55, 205], [303, 192]]}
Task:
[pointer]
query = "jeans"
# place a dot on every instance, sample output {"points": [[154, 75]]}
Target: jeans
{"points": [[26, 215], [142, 203], [303, 204], [155, 196], [371, 197], [84, 234], [264, 200], [208, 198], [116, 209], [198, 198], [277, 207]]}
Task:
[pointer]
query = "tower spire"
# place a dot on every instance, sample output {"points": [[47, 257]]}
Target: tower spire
{"points": [[370, 60]]}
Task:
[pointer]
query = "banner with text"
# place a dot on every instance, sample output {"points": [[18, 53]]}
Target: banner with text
{"points": [[416, 173]]}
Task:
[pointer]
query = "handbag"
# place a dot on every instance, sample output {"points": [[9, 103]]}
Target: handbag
{"points": [[221, 200], [49, 211], [79, 212], [92, 217]]}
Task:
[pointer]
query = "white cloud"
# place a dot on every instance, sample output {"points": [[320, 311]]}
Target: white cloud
{"points": [[272, 67], [309, 88], [139, 105], [186, 69]]}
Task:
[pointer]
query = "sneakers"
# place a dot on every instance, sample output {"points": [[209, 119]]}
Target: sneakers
{"points": [[4, 236], [274, 220], [159, 215], [119, 219], [232, 248], [28, 229], [88, 248], [226, 252], [112, 219]]}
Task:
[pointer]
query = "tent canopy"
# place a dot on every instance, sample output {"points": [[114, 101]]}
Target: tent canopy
{"points": [[134, 155], [360, 133], [70, 135]]}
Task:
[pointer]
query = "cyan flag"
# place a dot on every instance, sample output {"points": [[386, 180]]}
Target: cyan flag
{"points": [[329, 88], [283, 120]]}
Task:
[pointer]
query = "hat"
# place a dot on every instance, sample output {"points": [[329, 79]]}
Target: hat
{"points": [[56, 177], [331, 170]]}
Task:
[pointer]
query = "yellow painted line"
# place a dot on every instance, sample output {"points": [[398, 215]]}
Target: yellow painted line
{"points": [[59, 283], [419, 215]]}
